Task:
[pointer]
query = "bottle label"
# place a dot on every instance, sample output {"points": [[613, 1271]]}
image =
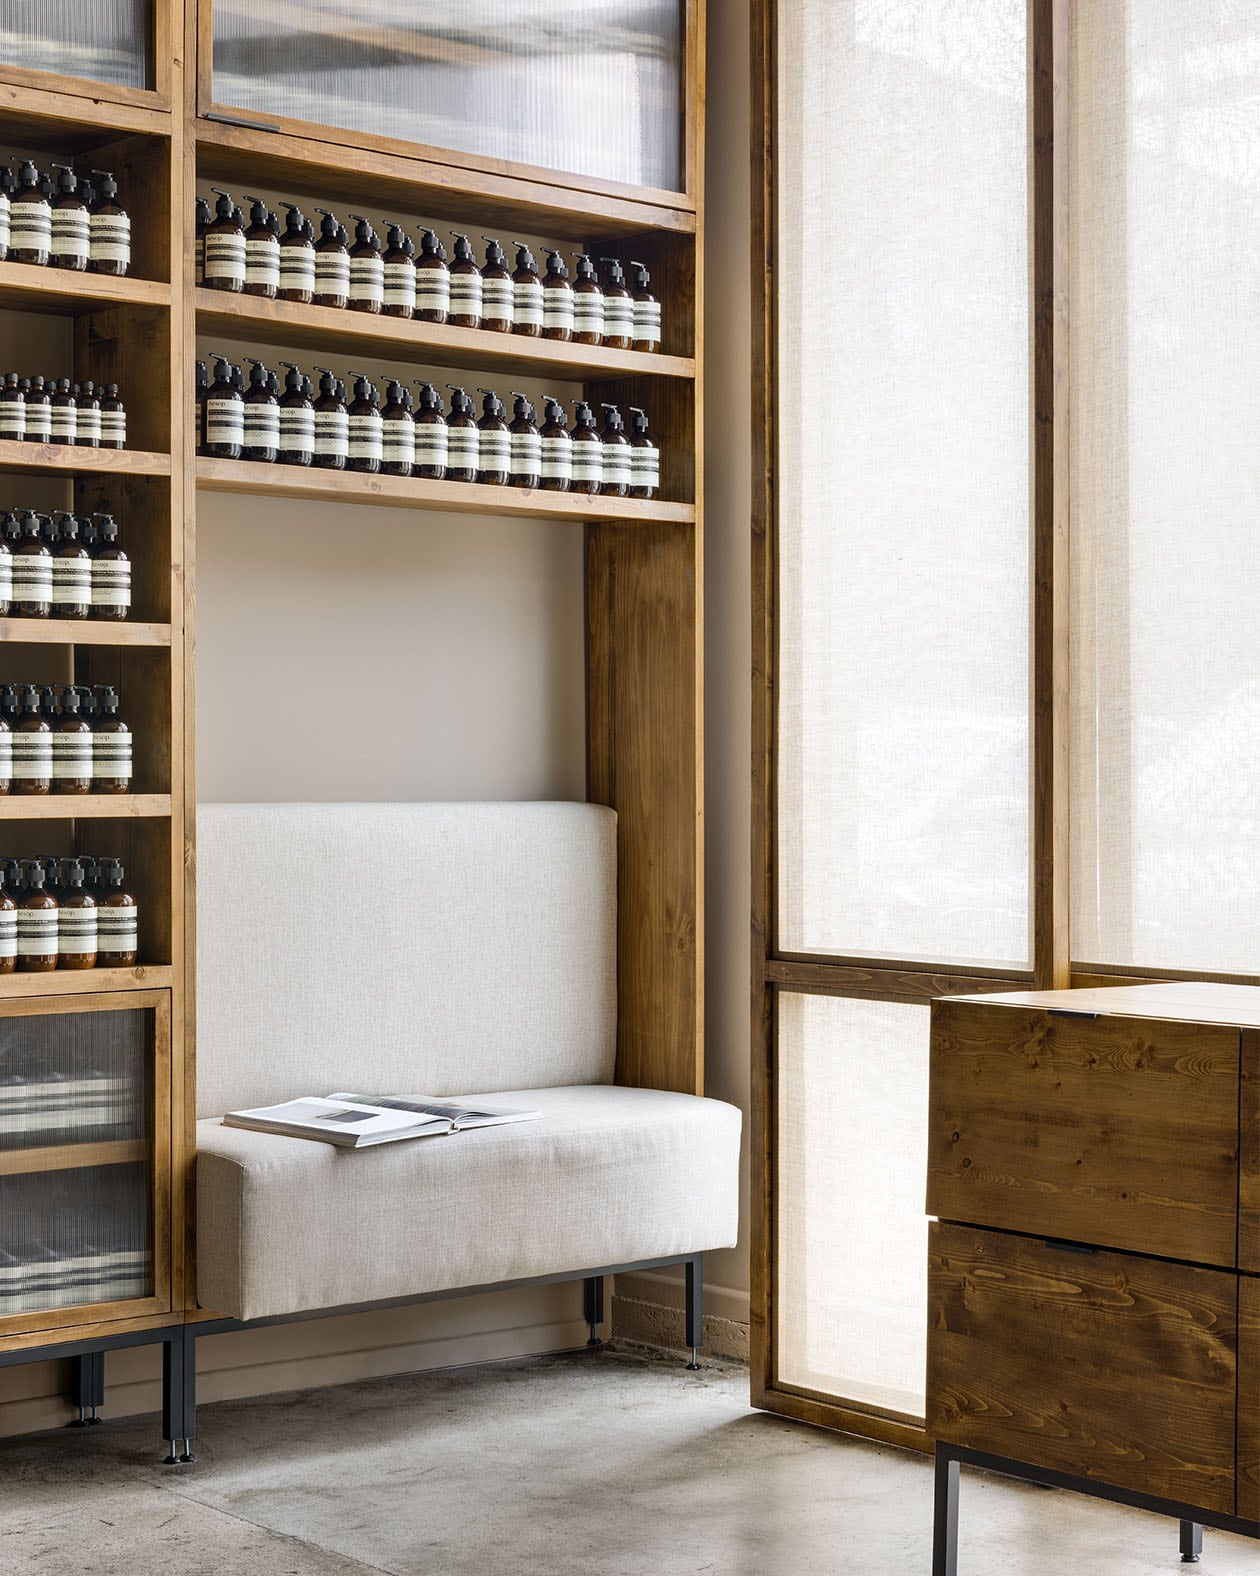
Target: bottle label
{"points": [[616, 464], [32, 755], [89, 425], [111, 239], [70, 234], [36, 932], [199, 259], [262, 262], [4, 219], [76, 929], [297, 429], [433, 290], [557, 458], [8, 932], [32, 577], [225, 421], [262, 425], [494, 449], [111, 753], [113, 427], [618, 317], [587, 461], [526, 454], [465, 294], [297, 268], [117, 927], [72, 579], [38, 421], [496, 300], [6, 595], [332, 273], [400, 284], [72, 754], [462, 447], [432, 447], [111, 582], [225, 256], [588, 312], [557, 308], [12, 419], [30, 227], [65, 423], [527, 303], [398, 441], [647, 321], [367, 279], [645, 465], [332, 433], [365, 437]]}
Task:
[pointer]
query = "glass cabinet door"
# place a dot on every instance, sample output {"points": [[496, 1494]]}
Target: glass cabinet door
{"points": [[97, 41], [84, 1148]]}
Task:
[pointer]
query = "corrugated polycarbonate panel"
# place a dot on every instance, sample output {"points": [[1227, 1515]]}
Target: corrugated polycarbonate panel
{"points": [[594, 88], [101, 40]]}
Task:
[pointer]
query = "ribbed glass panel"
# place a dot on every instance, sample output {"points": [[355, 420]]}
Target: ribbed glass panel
{"points": [[594, 88], [102, 40], [73, 1078]]}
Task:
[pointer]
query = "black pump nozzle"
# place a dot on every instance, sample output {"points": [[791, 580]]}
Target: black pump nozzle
{"points": [[585, 265], [363, 384], [259, 372], [612, 416], [524, 257], [521, 406], [461, 400], [225, 207], [327, 381], [613, 267], [495, 256], [492, 405], [553, 410], [259, 213], [292, 378], [556, 264], [363, 231], [294, 221], [107, 185], [28, 170], [329, 224], [463, 248], [67, 181], [429, 398], [640, 422], [641, 278]]}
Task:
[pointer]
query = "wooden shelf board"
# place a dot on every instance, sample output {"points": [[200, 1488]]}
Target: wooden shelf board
{"points": [[83, 632], [38, 458], [72, 119], [62, 290], [395, 492], [331, 171], [343, 331], [87, 982], [83, 806], [72, 1157]]}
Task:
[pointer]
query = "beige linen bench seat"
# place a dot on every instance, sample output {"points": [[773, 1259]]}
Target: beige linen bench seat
{"points": [[458, 950]]}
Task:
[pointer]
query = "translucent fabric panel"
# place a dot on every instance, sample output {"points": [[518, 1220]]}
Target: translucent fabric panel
{"points": [[1165, 315], [594, 88], [903, 479], [851, 1147], [102, 40]]}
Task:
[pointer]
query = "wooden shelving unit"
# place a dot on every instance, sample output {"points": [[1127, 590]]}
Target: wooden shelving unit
{"points": [[83, 806], [72, 1157], [82, 632], [38, 459]]}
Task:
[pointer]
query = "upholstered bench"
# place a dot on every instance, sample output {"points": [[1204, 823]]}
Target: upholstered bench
{"points": [[441, 949]]}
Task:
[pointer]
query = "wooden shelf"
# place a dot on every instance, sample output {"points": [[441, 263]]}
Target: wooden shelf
{"points": [[73, 1157], [83, 806], [35, 458], [83, 632], [62, 290], [70, 117], [396, 492], [338, 330], [87, 982]]}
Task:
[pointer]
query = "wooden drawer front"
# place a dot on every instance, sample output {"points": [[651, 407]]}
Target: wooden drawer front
{"points": [[1249, 1397], [1116, 1368], [1116, 1131]]}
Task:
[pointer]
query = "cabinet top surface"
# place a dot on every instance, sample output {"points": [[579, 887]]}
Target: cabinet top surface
{"points": [[1199, 1001]]}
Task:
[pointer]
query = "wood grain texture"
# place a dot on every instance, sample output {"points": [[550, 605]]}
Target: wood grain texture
{"points": [[34, 458], [72, 1157], [83, 806], [25, 288], [1181, 1001], [886, 982], [1249, 1154], [643, 661], [70, 982], [1111, 1131], [1248, 1426], [82, 632], [1115, 1368]]}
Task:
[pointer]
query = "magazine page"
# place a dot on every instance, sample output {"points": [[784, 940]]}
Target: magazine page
{"points": [[338, 1120], [452, 1111]]}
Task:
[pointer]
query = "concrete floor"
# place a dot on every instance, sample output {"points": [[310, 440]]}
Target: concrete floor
{"points": [[604, 1464]]}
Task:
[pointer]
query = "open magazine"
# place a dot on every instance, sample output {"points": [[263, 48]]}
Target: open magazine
{"points": [[354, 1121]]}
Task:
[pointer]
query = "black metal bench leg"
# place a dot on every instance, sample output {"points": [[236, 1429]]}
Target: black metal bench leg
{"points": [[179, 1394], [694, 1319], [593, 1306], [87, 1388], [945, 1519], [1191, 1542]]}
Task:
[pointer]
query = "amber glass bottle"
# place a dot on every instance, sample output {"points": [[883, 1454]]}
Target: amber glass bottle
{"points": [[8, 920], [32, 748], [497, 290], [36, 923], [76, 920], [111, 744], [117, 919], [72, 747], [524, 445], [430, 436], [32, 570], [30, 219], [262, 252], [398, 431], [527, 294], [399, 264], [494, 442], [463, 441], [367, 271], [556, 448], [70, 245], [433, 281], [109, 229], [224, 247]]}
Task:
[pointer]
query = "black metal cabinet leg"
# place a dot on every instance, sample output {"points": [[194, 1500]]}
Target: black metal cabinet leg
{"points": [[1191, 1542], [593, 1306], [179, 1393], [694, 1334], [945, 1519], [87, 1387]]}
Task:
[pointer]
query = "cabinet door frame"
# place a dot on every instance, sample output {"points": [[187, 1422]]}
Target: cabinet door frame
{"points": [[34, 88]]}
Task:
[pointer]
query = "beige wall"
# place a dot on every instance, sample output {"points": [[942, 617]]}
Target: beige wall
{"points": [[375, 654]]}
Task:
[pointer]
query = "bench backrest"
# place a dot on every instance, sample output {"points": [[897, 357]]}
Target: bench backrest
{"points": [[403, 949]]}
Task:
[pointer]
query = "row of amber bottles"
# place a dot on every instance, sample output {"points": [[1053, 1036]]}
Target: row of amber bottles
{"points": [[394, 278], [63, 739], [62, 565], [55, 410], [73, 222], [73, 913]]}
